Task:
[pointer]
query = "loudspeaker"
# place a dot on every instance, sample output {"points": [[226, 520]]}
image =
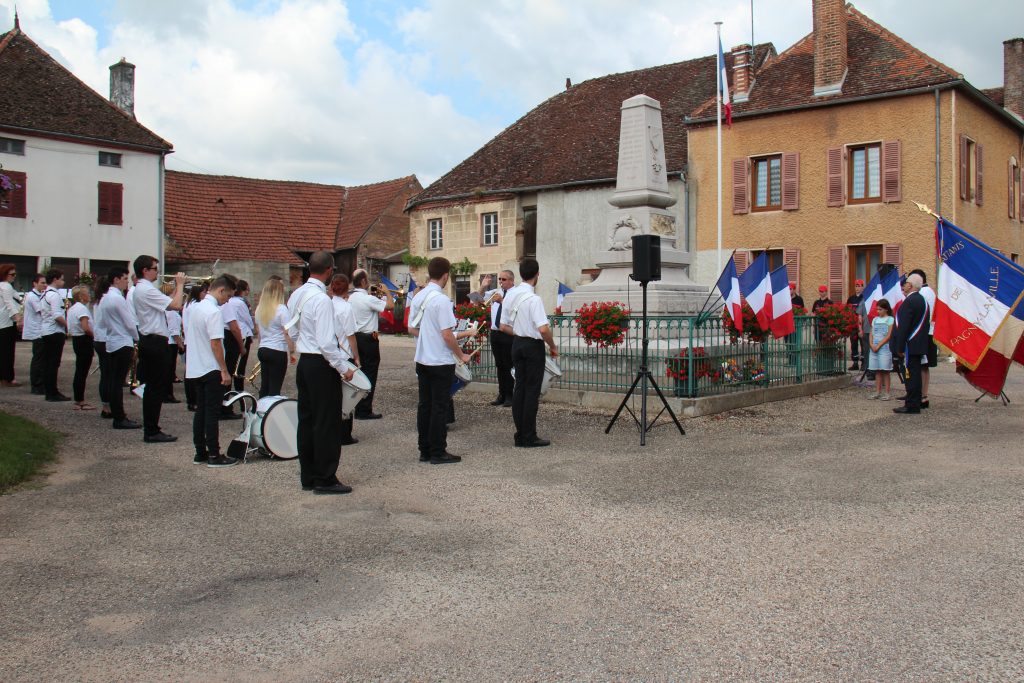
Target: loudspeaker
{"points": [[646, 258]]}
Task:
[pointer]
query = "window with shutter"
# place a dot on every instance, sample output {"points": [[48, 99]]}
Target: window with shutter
{"points": [[970, 172], [1011, 187], [864, 174], [741, 257], [834, 170], [14, 203], [435, 227], [740, 191], [110, 202], [790, 181], [766, 180], [892, 165], [837, 273], [977, 174], [964, 167], [892, 254], [1020, 188], [791, 257]]}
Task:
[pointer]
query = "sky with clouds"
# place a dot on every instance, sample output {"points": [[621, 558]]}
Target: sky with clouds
{"points": [[354, 92]]}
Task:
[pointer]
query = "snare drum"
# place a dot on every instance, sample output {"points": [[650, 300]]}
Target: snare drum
{"points": [[463, 377], [276, 426], [353, 391], [552, 371]]}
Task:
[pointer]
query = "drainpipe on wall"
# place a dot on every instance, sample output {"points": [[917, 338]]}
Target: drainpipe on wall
{"points": [[160, 213]]}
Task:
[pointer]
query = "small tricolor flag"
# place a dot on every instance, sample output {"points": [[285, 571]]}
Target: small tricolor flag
{"points": [[756, 287], [562, 291], [783, 322], [728, 284]]}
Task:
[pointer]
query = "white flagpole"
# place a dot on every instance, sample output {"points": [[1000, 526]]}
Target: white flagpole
{"points": [[718, 100]]}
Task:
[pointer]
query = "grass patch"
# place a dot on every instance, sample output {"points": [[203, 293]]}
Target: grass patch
{"points": [[24, 448]]}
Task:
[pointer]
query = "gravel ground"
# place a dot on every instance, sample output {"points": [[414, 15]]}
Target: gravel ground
{"points": [[822, 538]]}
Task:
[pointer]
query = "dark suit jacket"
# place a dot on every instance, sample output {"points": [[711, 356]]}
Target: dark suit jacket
{"points": [[911, 335]]}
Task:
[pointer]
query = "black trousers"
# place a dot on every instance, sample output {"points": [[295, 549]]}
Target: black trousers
{"points": [[435, 385], [53, 350], [153, 373], [369, 362], [319, 430], [855, 348], [118, 363], [528, 359], [191, 395], [273, 366], [172, 370], [101, 357], [501, 344], [35, 368], [206, 419], [82, 345], [232, 352], [913, 362], [8, 338]]}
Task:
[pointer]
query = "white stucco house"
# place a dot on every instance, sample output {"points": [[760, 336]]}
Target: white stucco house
{"points": [[90, 175]]}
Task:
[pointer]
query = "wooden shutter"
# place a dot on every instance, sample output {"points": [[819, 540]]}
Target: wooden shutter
{"points": [[790, 181], [834, 165], [791, 257], [892, 254], [977, 172], [1020, 212], [963, 167], [742, 260], [892, 166], [837, 273], [1011, 191], [110, 201], [740, 185], [16, 198]]}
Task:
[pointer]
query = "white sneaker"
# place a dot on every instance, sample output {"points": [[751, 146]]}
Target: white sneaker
{"points": [[874, 396]]}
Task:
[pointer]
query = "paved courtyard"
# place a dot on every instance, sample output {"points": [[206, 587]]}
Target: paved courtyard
{"points": [[822, 538]]}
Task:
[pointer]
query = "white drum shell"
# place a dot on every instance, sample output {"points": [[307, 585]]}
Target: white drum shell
{"points": [[353, 391], [463, 372], [552, 371], [276, 427]]}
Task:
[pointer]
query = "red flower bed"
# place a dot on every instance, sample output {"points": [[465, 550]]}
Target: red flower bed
{"points": [[836, 321]]}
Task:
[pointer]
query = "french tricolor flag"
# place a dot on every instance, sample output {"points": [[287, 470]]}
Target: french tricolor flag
{"points": [[756, 287], [728, 284], [723, 86], [781, 304], [978, 291], [878, 288]]}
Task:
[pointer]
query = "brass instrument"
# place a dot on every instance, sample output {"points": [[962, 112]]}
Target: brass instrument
{"points": [[133, 370], [254, 374], [190, 280], [378, 290], [238, 364]]}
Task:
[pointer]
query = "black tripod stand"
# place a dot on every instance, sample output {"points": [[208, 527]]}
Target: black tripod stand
{"points": [[643, 378]]}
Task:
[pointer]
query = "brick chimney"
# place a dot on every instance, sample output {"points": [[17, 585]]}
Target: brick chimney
{"points": [[830, 60], [1013, 75], [122, 86], [742, 72]]}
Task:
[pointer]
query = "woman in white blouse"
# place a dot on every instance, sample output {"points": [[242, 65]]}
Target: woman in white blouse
{"points": [[81, 330], [276, 345], [10, 316]]}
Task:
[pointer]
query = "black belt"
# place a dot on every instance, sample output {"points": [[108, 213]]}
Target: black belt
{"points": [[365, 334], [151, 336], [529, 339]]}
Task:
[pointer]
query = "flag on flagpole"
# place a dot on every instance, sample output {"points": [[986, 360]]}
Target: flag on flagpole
{"points": [[892, 290], [723, 85], [728, 284], [562, 291], [782, 319], [408, 300], [979, 292], [388, 283], [412, 283], [880, 287], [756, 287]]}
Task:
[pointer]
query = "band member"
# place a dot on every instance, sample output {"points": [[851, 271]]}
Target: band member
{"points": [[501, 343], [99, 344], [238, 333], [366, 308], [318, 379], [345, 329], [34, 308], [10, 319], [81, 328], [206, 366], [276, 347], [910, 341], [195, 295], [432, 318], [175, 345], [524, 315], [121, 333], [53, 333], [854, 301], [933, 351], [150, 307]]}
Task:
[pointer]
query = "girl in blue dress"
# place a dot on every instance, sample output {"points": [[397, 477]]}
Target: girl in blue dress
{"points": [[880, 358]]}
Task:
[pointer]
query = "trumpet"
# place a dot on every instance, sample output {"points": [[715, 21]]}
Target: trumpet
{"points": [[254, 374], [379, 290], [191, 280]]}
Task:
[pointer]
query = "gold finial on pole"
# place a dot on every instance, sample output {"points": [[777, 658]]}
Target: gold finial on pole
{"points": [[924, 209]]}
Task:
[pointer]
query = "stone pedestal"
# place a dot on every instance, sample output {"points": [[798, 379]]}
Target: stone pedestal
{"points": [[641, 201]]}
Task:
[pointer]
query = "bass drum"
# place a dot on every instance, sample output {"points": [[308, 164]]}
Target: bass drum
{"points": [[276, 427]]}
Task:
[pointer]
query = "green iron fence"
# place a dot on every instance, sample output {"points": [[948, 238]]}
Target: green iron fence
{"points": [[689, 357]]}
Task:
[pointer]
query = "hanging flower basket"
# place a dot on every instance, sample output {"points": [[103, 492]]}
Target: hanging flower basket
{"points": [[602, 323]]}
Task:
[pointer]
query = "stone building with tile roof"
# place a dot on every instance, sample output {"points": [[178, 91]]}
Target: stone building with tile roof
{"points": [[257, 228], [89, 174]]}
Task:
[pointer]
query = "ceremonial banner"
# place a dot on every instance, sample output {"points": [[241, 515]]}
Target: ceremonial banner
{"points": [[756, 287], [977, 291], [728, 284], [782, 320]]}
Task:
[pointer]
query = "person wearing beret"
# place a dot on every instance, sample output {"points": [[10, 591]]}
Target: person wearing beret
{"points": [[820, 302], [854, 301]]}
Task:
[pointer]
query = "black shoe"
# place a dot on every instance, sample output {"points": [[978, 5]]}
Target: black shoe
{"points": [[338, 488], [906, 411], [424, 457], [106, 415], [159, 437], [171, 399], [854, 367], [351, 442], [230, 416], [221, 461], [126, 424], [536, 443], [58, 398], [924, 403], [307, 487], [445, 459], [200, 460], [500, 401], [368, 416], [507, 403]]}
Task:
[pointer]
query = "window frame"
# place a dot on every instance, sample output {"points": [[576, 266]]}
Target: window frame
{"points": [[850, 153], [754, 176], [110, 210], [17, 201], [529, 231], [14, 144], [431, 223], [483, 229], [971, 166], [110, 156]]}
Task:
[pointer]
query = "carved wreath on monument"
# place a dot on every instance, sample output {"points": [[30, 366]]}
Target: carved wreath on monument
{"points": [[621, 236]]}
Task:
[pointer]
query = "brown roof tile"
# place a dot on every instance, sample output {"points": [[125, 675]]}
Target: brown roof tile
{"points": [[573, 137], [41, 95], [365, 203]]}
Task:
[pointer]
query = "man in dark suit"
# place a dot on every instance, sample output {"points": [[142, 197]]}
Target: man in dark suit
{"points": [[910, 341]]}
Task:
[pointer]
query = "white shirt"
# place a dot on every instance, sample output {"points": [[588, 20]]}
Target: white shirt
{"points": [[117, 321], [272, 336], [173, 326], [204, 324], [150, 305], [33, 315], [236, 310], [51, 310], [130, 298], [366, 308], [78, 311], [531, 315], [495, 305], [8, 305], [929, 296], [316, 324], [510, 301], [99, 330], [438, 315], [344, 323]]}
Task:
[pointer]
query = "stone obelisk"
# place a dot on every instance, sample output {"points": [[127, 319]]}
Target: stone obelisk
{"points": [[641, 201]]}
